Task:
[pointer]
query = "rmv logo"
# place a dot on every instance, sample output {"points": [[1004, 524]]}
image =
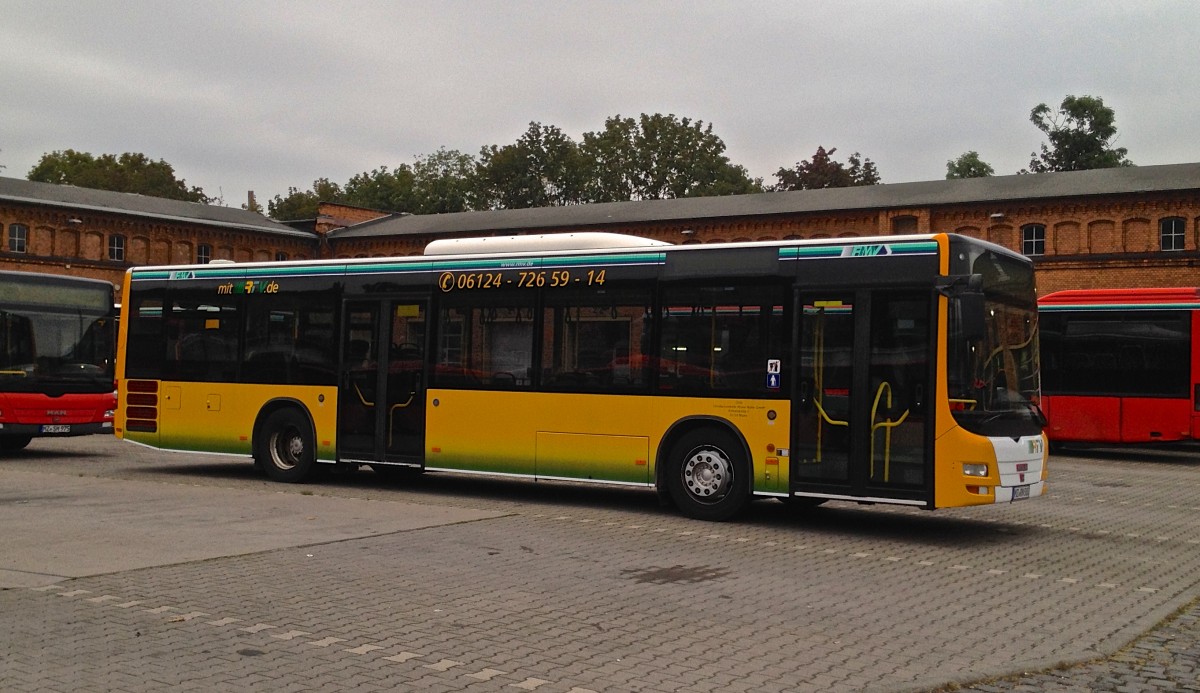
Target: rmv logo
{"points": [[865, 250]]}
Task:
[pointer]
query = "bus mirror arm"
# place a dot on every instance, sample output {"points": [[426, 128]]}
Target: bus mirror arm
{"points": [[954, 285]]}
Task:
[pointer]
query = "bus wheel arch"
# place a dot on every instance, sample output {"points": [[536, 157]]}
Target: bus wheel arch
{"points": [[705, 468], [284, 442]]}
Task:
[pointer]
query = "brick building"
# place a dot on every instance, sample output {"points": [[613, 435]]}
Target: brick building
{"points": [[1120, 227], [1123, 227], [62, 229]]}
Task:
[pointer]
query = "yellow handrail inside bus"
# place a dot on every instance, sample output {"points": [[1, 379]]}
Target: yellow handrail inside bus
{"points": [[829, 420], [361, 398], [887, 425], [392, 412], [819, 377]]}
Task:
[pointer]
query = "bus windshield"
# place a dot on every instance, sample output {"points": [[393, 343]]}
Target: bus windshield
{"points": [[994, 366], [40, 349]]}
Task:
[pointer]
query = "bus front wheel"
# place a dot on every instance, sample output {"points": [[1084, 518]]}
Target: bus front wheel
{"points": [[285, 448], [14, 443], [708, 476]]}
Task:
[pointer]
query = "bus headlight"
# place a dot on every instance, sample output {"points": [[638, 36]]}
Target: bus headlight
{"points": [[971, 469]]}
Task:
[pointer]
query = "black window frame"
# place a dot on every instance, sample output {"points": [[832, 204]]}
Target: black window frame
{"points": [[18, 238], [1033, 240], [1176, 234], [116, 248]]}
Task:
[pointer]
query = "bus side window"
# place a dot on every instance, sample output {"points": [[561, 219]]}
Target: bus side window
{"points": [[717, 340], [594, 340], [207, 329], [486, 342]]}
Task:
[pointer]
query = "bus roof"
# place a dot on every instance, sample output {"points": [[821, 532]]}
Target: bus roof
{"points": [[648, 245], [590, 240]]}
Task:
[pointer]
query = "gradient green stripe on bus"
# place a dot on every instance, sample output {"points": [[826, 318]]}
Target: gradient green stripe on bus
{"points": [[837, 251], [235, 272]]}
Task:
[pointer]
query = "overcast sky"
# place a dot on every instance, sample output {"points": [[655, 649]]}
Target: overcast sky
{"points": [[261, 95]]}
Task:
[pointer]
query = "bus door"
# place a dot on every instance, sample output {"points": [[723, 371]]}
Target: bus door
{"points": [[381, 402], [862, 395]]}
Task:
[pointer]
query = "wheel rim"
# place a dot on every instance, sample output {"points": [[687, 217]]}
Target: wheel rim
{"points": [[287, 448], [707, 474]]}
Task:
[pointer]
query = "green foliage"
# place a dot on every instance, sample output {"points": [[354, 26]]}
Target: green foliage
{"points": [[443, 182], [131, 173], [303, 205], [1080, 136], [542, 169], [823, 172], [380, 189], [659, 157], [968, 165]]}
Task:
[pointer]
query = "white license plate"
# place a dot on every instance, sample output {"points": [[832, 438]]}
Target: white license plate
{"points": [[1020, 492], [56, 428]]}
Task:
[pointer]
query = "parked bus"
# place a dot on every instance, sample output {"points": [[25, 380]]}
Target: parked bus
{"points": [[1121, 365], [56, 357], [884, 370]]}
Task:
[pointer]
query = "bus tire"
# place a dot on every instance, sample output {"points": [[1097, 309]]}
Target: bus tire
{"points": [[285, 446], [14, 443], [708, 476]]}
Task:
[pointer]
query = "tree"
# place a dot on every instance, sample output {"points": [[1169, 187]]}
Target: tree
{"points": [[542, 169], [1080, 135], [823, 172], [131, 173], [443, 182], [659, 157], [303, 205], [381, 189], [968, 165]]}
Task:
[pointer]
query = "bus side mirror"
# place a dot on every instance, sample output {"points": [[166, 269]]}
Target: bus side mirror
{"points": [[966, 292], [971, 319]]}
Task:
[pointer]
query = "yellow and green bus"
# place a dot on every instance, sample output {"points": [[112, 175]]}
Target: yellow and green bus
{"points": [[899, 369]]}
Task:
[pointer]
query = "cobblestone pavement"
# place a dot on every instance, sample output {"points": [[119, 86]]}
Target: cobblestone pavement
{"points": [[1165, 659], [577, 589]]}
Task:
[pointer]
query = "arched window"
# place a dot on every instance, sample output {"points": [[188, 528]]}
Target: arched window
{"points": [[203, 254], [1033, 239], [1172, 233]]}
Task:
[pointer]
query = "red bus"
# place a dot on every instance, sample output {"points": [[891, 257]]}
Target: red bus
{"points": [[56, 357], [1121, 366]]}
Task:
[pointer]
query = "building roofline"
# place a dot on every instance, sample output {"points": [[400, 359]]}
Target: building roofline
{"points": [[70, 197], [997, 189]]}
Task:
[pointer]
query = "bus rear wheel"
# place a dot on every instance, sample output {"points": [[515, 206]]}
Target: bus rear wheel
{"points": [[285, 448], [708, 476]]}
